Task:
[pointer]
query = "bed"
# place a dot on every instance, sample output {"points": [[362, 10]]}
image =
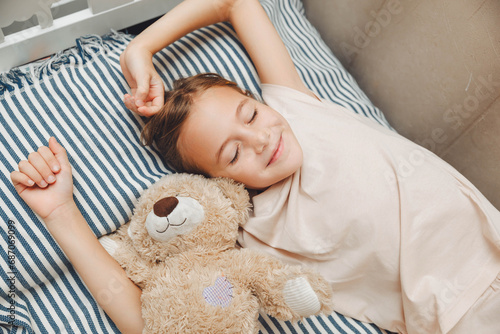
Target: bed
{"points": [[76, 96]]}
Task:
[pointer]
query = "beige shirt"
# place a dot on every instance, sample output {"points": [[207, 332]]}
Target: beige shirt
{"points": [[404, 239]]}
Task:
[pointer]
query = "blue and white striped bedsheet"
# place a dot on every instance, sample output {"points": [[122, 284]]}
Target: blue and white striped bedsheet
{"points": [[76, 96]]}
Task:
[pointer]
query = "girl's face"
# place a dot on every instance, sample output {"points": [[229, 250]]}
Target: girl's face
{"points": [[229, 134]]}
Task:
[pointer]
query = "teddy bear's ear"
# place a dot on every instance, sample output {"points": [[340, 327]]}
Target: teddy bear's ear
{"points": [[235, 191]]}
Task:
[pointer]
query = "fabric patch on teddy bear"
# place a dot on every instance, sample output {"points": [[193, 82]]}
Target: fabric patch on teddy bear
{"points": [[219, 294]]}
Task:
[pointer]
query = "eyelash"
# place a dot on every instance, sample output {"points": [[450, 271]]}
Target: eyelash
{"points": [[254, 116], [237, 153]]}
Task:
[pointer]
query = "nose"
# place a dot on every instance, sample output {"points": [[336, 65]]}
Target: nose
{"points": [[261, 139], [165, 206]]}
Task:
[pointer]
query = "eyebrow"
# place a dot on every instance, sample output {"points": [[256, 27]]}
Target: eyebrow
{"points": [[238, 112]]}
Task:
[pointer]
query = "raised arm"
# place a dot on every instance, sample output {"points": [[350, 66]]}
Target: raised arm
{"points": [[264, 45], [45, 183], [252, 26]]}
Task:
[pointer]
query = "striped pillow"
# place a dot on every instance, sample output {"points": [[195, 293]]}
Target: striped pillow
{"points": [[77, 97]]}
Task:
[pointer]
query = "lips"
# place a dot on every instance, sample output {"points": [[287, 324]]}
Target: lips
{"points": [[277, 151]]}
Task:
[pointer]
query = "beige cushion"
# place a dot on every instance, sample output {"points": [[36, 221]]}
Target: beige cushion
{"points": [[432, 67]]}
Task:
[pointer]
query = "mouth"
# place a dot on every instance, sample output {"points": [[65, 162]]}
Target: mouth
{"points": [[171, 225], [277, 151]]}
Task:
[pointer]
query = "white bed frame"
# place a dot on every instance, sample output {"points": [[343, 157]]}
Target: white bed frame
{"points": [[62, 21]]}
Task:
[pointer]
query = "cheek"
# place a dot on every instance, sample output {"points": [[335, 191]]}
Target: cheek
{"points": [[276, 118], [269, 115]]}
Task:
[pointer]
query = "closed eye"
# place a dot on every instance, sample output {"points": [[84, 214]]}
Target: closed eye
{"points": [[254, 116], [236, 155]]}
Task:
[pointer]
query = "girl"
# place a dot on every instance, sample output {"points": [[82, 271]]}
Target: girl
{"points": [[411, 249]]}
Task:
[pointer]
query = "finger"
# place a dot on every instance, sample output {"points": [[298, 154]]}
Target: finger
{"points": [[140, 110], [145, 111], [130, 103], [155, 99], [148, 110], [20, 180], [30, 171], [158, 102], [59, 152], [37, 161], [49, 158]]}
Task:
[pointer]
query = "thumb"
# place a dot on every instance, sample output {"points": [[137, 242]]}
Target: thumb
{"points": [[59, 152]]}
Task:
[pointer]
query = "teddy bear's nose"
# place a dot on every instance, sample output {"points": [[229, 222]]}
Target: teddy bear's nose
{"points": [[165, 206]]}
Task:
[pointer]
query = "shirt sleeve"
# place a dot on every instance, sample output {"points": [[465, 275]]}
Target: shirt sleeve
{"points": [[278, 97]]}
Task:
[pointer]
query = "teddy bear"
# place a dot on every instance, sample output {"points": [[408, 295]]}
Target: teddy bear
{"points": [[180, 247]]}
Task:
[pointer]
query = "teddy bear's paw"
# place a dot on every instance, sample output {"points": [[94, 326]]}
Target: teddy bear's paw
{"points": [[300, 297], [109, 244]]}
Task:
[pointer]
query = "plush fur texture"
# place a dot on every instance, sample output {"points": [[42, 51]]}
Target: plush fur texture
{"points": [[176, 276]]}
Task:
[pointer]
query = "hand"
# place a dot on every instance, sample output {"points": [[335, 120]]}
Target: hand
{"points": [[145, 83], [44, 181]]}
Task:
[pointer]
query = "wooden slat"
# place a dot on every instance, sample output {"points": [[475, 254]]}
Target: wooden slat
{"points": [[35, 43]]}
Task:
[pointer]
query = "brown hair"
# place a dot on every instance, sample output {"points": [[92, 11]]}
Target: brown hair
{"points": [[164, 128]]}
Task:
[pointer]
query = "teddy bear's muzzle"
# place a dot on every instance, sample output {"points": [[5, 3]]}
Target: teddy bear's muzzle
{"points": [[173, 216]]}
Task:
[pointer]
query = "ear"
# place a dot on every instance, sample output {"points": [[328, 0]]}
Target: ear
{"points": [[235, 191]]}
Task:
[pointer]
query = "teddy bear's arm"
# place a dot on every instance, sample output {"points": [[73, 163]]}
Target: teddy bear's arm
{"points": [[285, 292], [120, 247]]}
